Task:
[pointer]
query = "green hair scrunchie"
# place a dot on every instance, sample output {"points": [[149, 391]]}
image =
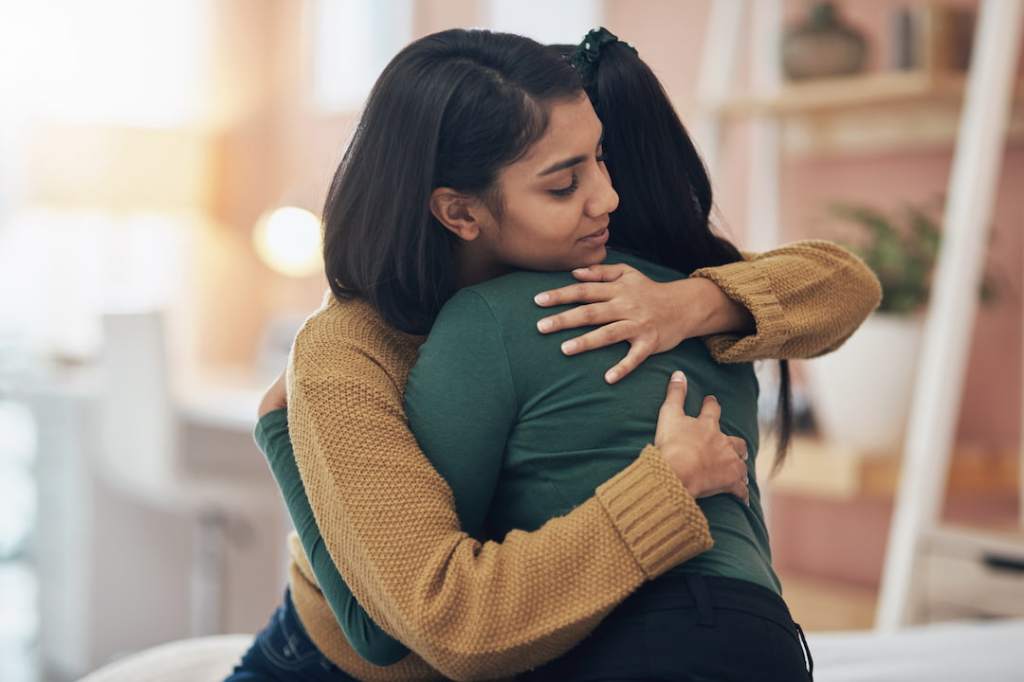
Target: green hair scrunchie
{"points": [[587, 56]]}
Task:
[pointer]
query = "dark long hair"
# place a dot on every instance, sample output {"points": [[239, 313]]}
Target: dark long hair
{"points": [[450, 110], [665, 197]]}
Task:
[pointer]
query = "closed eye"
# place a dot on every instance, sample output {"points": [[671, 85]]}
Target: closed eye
{"points": [[566, 191]]}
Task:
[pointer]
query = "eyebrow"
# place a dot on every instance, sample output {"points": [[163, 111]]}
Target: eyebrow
{"points": [[569, 163], [562, 165]]}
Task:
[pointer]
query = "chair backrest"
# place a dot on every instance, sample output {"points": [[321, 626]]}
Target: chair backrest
{"points": [[138, 428]]}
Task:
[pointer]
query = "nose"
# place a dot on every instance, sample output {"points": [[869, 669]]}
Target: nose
{"points": [[604, 199]]}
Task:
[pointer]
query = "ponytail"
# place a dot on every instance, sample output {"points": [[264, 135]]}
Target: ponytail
{"points": [[664, 190]]}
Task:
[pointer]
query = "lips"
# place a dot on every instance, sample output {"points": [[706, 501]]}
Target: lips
{"points": [[599, 236]]}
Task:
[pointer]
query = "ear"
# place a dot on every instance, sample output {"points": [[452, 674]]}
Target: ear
{"points": [[459, 213]]}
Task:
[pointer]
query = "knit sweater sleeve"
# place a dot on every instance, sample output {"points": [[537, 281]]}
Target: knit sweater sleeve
{"points": [[806, 298], [470, 609], [363, 635]]}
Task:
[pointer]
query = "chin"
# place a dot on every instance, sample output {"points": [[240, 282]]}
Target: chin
{"points": [[580, 258], [592, 256]]}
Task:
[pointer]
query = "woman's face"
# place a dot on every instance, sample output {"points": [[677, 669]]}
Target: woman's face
{"points": [[556, 199]]}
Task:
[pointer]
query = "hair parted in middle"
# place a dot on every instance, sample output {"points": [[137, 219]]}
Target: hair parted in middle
{"points": [[450, 110]]}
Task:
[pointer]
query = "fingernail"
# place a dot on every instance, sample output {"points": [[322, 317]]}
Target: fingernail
{"points": [[568, 347], [541, 299], [713, 398], [544, 325], [611, 375], [678, 376], [580, 271]]}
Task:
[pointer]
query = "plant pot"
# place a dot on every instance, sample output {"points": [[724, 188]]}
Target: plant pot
{"points": [[861, 393]]}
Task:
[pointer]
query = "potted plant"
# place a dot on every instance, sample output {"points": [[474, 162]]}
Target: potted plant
{"points": [[861, 393]]}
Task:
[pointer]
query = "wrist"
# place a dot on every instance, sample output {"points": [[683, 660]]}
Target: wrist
{"points": [[267, 406], [717, 312], [688, 309], [686, 480], [679, 464]]}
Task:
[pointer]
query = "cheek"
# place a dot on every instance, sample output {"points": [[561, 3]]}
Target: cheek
{"points": [[538, 233], [551, 222]]}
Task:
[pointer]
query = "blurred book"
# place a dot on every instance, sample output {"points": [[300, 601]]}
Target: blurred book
{"points": [[934, 38]]}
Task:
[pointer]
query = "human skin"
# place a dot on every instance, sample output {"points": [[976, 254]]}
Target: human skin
{"points": [[554, 208]]}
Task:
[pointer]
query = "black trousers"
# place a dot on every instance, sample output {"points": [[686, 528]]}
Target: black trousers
{"points": [[691, 627]]}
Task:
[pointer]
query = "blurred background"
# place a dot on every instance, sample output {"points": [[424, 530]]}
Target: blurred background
{"points": [[162, 169]]}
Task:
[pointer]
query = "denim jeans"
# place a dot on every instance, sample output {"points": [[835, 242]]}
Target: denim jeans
{"points": [[284, 651]]}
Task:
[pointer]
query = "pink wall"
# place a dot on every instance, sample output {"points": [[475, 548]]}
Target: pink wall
{"points": [[669, 37]]}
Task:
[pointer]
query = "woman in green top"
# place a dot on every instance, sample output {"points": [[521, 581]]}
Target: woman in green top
{"points": [[523, 433]]}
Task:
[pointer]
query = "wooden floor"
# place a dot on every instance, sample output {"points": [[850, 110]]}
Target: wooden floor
{"points": [[819, 604]]}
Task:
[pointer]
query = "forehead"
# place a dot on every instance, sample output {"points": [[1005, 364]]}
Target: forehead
{"points": [[573, 129]]}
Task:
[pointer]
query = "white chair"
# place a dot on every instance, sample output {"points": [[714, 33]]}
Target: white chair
{"points": [[139, 452], [152, 526]]}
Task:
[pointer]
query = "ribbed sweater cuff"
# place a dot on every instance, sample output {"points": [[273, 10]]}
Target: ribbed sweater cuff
{"points": [[746, 283], [655, 515]]}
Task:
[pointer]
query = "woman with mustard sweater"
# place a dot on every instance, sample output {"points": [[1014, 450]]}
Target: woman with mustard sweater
{"points": [[384, 518]]}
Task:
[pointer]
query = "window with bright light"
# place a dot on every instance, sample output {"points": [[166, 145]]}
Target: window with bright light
{"points": [[353, 42], [118, 62], [565, 21]]}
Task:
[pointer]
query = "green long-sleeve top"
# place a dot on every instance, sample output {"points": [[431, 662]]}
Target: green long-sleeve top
{"points": [[523, 433]]}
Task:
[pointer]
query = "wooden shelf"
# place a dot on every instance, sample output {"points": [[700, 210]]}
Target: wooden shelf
{"points": [[820, 469], [836, 94], [826, 494], [866, 114]]}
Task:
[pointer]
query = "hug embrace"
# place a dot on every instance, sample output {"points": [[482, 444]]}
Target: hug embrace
{"points": [[480, 492]]}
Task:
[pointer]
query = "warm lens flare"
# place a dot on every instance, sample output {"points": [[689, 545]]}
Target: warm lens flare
{"points": [[288, 240]]}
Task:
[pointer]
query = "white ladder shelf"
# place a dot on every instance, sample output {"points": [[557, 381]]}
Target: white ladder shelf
{"points": [[917, 542]]}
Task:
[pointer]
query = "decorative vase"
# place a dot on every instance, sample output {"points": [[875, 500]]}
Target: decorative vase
{"points": [[861, 393], [822, 46]]}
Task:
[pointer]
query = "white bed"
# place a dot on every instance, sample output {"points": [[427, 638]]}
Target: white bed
{"points": [[955, 652], [964, 651]]}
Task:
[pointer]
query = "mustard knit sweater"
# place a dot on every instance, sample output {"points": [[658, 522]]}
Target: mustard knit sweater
{"points": [[474, 610]]}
